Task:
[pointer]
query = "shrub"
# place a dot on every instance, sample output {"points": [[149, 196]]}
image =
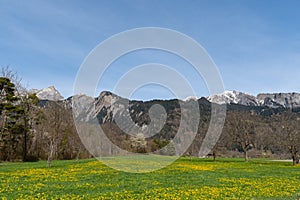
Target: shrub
{"points": [[31, 158]]}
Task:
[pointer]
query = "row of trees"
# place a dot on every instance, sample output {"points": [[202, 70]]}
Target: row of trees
{"points": [[247, 131], [17, 109], [31, 129]]}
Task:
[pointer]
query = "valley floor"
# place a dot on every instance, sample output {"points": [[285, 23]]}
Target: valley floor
{"points": [[184, 179]]}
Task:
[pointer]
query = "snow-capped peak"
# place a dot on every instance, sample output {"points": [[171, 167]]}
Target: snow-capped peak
{"points": [[233, 97], [190, 98], [49, 93]]}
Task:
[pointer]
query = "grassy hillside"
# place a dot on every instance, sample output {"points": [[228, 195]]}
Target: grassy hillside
{"points": [[184, 179]]}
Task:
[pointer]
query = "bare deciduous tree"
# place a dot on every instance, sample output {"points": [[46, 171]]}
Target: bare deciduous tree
{"points": [[240, 126], [287, 125]]}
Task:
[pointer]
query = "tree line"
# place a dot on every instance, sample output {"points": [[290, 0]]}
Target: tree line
{"points": [[248, 133], [31, 129]]}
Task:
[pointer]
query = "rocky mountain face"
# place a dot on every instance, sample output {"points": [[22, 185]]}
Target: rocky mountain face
{"points": [[108, 108], [49, 93], [274, 100], [287, 100], [158, 121]]}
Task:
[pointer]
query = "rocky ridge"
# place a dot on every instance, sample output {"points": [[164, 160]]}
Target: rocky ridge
{"points": [[272, 100], [106, 99]]}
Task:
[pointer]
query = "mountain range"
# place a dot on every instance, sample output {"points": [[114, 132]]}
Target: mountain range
{"points": [[272, 100], [122, 125]]}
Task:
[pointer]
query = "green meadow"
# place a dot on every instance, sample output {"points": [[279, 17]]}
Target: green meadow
{"points": [[183, 179]]}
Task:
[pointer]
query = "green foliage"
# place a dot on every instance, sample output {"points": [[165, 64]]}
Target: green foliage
{"points": [[18, 112], [161, 143], [10, 112]]}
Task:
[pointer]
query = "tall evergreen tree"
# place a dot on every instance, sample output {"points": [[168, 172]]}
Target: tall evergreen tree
{"points": [[10, 112], [28, 103]]}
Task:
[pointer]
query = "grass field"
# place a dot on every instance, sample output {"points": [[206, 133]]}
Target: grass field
{"points": [[184, 179]]}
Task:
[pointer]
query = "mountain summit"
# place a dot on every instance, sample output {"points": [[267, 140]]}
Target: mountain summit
{"points": [[49, 93], [233, 97]]}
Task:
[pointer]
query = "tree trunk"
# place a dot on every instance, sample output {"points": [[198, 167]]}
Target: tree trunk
{"points": [[215, 155], [10, 148], [77, 156], [295, 160], [25, 141], [246, 155], [24, 146], [51, 151]]}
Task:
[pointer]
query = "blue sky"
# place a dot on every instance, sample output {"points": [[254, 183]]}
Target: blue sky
{"points": [[255, 44]]}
